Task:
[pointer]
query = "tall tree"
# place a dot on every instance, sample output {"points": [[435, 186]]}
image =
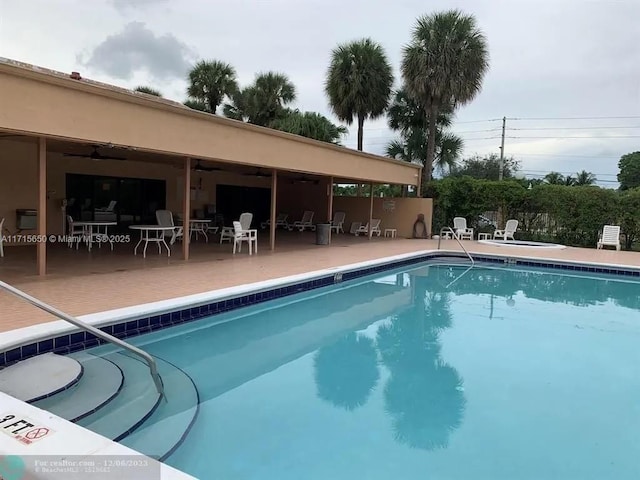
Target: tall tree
{"points": [[487, 167], [444, 64], [359, 82], [409, 118], [310, 125], [554, 178], [148, 90], [210, 82], [585, 178], [629, 175], [262, 102]]}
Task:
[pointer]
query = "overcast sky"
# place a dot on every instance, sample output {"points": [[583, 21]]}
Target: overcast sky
{"points": [[549, 60]]}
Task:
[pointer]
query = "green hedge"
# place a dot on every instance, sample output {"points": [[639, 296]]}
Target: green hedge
{"points": [[556, 213]]}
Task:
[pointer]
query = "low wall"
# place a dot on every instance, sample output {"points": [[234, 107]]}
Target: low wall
{"points": [[398, 213]]}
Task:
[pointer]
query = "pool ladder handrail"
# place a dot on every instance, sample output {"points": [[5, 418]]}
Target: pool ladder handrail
{"points": [[457, 239], [149, 360]]}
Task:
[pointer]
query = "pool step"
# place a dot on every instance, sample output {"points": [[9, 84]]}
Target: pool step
{"points": [[101, 382], [131, 407], [110, 392], [40, 377], [169, 424]]}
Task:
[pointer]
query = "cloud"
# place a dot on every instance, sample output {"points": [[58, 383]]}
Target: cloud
{"points": [[125, 5], [136, 49]]}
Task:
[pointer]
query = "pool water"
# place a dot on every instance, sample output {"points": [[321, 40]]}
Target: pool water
{"points": [[437, 372]]}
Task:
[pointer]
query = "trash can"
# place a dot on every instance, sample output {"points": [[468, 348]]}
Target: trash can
{"points": [[322, 233]]}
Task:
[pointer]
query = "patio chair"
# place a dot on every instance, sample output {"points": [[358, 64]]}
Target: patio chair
{"points": [[610, 236], [281, 221], [375, 228], [461, 229], [243, 235], [305, 222], [165, 219], [338, 222], [73, 231], [508, 232], [1, 237], [228, 233]]}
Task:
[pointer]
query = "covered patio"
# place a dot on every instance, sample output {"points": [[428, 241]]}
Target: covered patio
{"points": [[58, 131]]}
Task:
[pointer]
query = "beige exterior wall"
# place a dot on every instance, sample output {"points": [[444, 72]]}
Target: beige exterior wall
{"points": [[43, 104], [402, 217]]}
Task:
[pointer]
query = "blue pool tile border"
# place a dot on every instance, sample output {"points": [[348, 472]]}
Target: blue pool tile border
{"points": [[77, 341]]}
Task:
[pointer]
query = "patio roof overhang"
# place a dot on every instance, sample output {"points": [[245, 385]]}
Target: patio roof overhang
{"points": [[50, 104]]}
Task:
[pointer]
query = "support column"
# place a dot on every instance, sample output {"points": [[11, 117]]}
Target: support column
{"points": [[370, 208], [42, 206], [330, 205], [186, 212], [274, 209]]}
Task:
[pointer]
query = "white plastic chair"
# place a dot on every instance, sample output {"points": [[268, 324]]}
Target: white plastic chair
{"points": [[165, 219], [338, 222], [73, 231], [305, 222], [1, 236], [228, 233], [375, 228], [508, 232], [244, 235], [610, 236], [460, 227]]}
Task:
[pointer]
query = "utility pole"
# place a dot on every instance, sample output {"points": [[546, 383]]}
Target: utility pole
{"points": [[504, 124]]}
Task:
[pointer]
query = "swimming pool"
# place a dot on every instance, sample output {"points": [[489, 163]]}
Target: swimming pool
{"points": [[438, 372]]}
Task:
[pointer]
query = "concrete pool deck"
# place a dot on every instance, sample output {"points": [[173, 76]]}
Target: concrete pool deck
{"points": [[82, 283]]}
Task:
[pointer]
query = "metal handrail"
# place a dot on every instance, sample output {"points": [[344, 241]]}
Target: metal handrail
{"points": [[153, 368], [455, 237]]}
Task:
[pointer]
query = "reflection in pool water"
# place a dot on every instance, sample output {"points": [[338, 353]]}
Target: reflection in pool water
{"points": [[437, 372]]}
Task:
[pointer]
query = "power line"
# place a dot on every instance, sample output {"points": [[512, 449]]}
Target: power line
{"points": [[574, 118], [576, 128], [581, 138], [566, 155]]}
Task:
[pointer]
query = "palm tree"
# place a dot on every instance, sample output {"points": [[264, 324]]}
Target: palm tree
{"points": [[554, 178], [409, 118], [585, 178], [210, 82], [359, 82], [270, 93], [263, 102], [310, 125], [444, 65], [148, 90]]}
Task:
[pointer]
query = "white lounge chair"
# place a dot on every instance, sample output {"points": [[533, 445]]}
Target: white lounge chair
{"points": [[461, 229], [610, 236], [165, 219], [1, 237], [375, 228], [305, 222], [508, 232], [75, 232], [228, 233], [244, 235], [338, 222], [281, 221]]}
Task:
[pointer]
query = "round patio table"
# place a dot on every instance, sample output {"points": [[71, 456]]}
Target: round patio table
{"points": [[154, 234], [89, 234]]}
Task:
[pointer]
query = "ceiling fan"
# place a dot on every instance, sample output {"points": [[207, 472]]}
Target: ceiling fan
{"points": [[202, 168], [258, 173], [95, 155]]}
